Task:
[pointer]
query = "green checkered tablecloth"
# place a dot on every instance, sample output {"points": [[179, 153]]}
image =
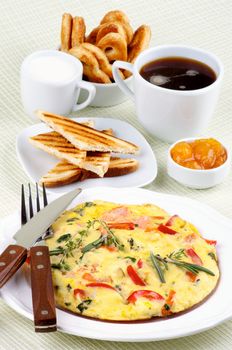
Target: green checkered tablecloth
{"points": [[26, 26]]}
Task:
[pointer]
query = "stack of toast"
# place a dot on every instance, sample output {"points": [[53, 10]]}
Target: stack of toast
{"points": [[84, 152]]}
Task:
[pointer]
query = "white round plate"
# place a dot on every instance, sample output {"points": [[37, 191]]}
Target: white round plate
{"points": [[37, 163], [216, 309]]}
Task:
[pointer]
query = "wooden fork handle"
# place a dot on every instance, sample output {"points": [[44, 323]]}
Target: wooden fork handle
{"points": [[10, 261], [42, 290]]}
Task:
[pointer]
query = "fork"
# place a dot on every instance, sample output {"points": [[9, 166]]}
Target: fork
{"points": [[41, 276]]}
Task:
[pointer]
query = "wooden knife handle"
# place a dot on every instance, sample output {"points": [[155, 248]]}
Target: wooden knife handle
{"points": [[42, 290], [10, 261]]}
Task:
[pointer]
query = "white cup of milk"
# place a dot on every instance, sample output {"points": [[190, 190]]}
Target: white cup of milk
{"points": [[51, 80]]}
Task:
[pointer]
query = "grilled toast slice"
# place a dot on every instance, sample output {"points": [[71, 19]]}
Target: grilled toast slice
{"points": [[97, 162], [65, 173], [84, 137], [55, 144]]}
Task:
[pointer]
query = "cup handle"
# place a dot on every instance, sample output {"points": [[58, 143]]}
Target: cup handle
{"points": [[117, 78], [92, 91]]}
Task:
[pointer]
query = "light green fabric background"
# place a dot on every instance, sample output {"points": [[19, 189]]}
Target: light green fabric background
{"points": [[26, 26]]}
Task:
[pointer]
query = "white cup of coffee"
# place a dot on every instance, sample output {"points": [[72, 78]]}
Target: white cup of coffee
{"points": [[171, 114], [51, 80]]}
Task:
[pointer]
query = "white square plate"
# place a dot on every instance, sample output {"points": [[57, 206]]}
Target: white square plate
{"points": [[37, 163]]}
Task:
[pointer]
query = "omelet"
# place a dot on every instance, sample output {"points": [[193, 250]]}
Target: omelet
{"points": [[129, 262]]}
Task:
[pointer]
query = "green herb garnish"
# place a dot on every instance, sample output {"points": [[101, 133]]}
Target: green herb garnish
{"points": [[72, 219], [89, 204], [108, 239], [66, 251], [61, 266], [131, 258], [213, 256], [177, 254], [70, 245], [117, 286], [93, 245], [56, 251], [56, 266], [194, 268], [131, 243], [111, 236], [157, 264], [83, 232], [84, 305], [81, 210], [64, 238], [167, 307]]}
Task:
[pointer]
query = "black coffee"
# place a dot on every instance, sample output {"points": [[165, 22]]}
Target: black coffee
{"points": [[178, 73]]}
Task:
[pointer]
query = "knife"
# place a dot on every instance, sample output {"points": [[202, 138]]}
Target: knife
{"points": [[15, 255]]}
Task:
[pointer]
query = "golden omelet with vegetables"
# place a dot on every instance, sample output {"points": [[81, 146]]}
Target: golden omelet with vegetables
{"points": [[129, 262]]}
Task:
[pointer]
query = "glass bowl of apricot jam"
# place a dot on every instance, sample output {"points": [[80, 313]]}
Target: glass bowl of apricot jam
{"points": [[198, 162]]}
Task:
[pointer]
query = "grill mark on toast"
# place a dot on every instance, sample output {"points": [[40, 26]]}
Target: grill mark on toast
{"points": [[59, 148], [91, 133], [95, 138], [77, 157], [68, 121]]}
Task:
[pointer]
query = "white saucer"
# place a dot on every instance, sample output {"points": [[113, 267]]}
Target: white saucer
{"points": [[37, 163]]}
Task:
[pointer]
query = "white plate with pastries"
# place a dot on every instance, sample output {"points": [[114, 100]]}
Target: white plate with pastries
{"points": [[140, 170]]}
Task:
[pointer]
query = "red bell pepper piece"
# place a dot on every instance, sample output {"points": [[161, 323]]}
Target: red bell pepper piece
{"points": [[134, 276], [148, 294], [193, 255], [165, 229], [122, 225], [169, 302], [140, 263], [80, 292], [100, 284], [211, 241], [171, 220], [192, 276]]}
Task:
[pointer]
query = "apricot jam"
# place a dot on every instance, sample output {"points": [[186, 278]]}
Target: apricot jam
{"points": [[199, 154]]}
